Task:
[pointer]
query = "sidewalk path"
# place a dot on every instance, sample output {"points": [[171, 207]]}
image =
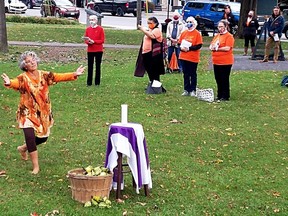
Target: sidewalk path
{"points": [[241, 62]]}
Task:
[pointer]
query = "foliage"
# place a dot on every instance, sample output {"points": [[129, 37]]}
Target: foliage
{"points": [[40, 20], [216, 159]]}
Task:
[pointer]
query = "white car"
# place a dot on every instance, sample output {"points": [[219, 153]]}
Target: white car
{"points": [[15, 6]]}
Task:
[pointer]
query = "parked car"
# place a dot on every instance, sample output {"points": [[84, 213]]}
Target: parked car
{"points": [[32, 3], [285, 30], [59, 8], [14, 6], [115, 7], [210, 10]]}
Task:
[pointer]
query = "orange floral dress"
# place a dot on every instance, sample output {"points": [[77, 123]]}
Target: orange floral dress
{"points": [[34, 109]]}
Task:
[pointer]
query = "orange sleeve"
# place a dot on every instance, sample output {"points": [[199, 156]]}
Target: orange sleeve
{"points": [[14, 84], [61, 77]]}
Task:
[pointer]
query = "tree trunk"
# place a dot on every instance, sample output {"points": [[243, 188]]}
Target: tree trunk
{"points": [[3, 30], [246, 6]]}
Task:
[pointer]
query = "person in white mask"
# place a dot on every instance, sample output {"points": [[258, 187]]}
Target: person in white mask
{"points": [[94, 37], [174, 29], [190, 42]]}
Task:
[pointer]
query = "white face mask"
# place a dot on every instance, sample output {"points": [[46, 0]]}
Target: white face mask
{"points": [[93, 23]]}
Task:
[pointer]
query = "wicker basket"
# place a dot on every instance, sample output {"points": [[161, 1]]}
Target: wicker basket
{"points": [[83, 187]]}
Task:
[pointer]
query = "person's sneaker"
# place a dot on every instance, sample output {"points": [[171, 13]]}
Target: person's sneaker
{"points": [[193, 94], [264, 60], [185, 93]]}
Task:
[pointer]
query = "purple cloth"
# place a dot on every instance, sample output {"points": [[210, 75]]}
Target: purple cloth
{"points": [[129, 133]]}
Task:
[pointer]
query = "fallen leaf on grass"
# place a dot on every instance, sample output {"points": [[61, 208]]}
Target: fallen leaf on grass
{"points": [[1, 143], [175, 121], [142, 204], [124, 212]]}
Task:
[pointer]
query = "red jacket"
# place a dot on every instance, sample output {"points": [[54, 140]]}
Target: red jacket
{"points": [[98, 36]]}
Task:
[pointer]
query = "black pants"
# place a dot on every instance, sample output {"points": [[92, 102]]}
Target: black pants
{"points": [[98, 57], [250, 38], [31, 140], [151, 69], [222, 74], [189, 75]]}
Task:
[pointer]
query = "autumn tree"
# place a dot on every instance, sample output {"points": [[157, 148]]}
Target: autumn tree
{"points": [[3, 30]]}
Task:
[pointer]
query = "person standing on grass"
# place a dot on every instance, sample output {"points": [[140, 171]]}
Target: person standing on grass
{"points": [[275, 25], [34, 114], [190, 42], [174, 29], [250, 26], [222, 58], [152, 59], [94, 37]]}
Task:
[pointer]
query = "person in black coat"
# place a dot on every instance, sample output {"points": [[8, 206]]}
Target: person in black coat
{"points": [[229, 17], [250, 26]]}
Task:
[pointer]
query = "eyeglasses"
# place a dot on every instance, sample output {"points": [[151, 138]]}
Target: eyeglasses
{"points": [[221, 27], [149, 23], [189, 22]]}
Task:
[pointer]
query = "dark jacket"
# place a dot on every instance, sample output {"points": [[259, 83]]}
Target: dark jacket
{"points": [[275, 24], [252, 27], [231, 19]]}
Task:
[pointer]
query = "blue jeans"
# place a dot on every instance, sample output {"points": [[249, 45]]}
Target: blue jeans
{"points": [[189, 75], [171, 49]]}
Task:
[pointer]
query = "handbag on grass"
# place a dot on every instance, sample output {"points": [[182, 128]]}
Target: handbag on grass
{"points": [[205, 94]]}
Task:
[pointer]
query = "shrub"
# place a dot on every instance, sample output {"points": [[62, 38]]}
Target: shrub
{"points": [[40, 20]]}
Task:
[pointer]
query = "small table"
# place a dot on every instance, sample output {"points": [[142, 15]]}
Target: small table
{"points": [[129, 140]]}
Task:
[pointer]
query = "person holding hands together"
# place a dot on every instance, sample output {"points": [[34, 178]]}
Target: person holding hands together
{"points": [[190, 42], [94, 37], [34, 114], [222, 59]]}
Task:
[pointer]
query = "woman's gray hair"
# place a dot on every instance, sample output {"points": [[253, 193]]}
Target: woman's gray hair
{"points": [[193, 20], [24, 55]]}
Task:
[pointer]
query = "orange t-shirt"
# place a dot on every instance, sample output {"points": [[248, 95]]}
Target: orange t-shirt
{"points": [[195, 38], [223, 57], [147, 41]]}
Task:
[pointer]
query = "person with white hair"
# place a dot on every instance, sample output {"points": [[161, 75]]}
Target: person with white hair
{"points": [[174, 30], [34, 114], [190, 42], [94, 37]]}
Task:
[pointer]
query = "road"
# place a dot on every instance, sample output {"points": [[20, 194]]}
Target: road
{"points": [[128, 21]]}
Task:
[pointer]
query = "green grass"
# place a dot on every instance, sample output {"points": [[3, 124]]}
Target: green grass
{"points": [[73, 34], [220, 159]]}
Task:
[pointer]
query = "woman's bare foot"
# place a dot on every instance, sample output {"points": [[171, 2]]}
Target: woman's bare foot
{"points": [[22, 150]]}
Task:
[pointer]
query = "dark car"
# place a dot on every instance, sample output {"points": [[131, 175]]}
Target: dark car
{"points": [[285, 29], [32, 3], [115, 7], [59, 8]]}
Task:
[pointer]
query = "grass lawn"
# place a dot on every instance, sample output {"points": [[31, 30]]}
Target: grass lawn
{"points": [[219, 159]]}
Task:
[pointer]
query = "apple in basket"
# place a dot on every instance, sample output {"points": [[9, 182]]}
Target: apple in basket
{"points": [[96, 171]]}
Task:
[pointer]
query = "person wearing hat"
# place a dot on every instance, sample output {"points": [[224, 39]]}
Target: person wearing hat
{"points": [[174, 29]]}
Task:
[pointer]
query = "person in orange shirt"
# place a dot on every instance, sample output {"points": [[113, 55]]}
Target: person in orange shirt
{"points": [[152, 61], [222, 59], [190, 42], [34, 114]]}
